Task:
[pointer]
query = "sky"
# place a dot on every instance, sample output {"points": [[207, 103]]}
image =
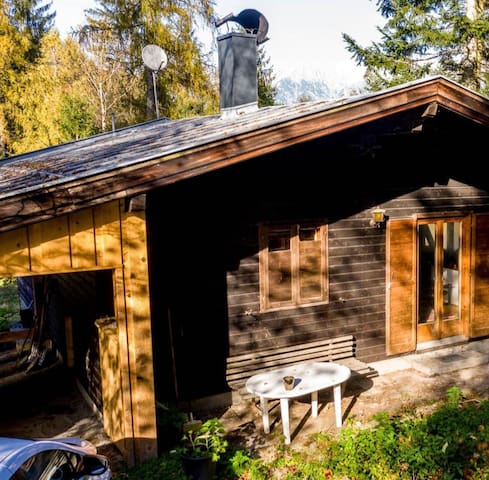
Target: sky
{"points": [[304, 35]]}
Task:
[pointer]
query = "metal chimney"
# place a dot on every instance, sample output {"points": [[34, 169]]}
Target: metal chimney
{"points": [[237, 54], [238, 85]]}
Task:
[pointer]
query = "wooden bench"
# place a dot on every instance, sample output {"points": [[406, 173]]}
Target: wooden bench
{"points": [[339, 350]]}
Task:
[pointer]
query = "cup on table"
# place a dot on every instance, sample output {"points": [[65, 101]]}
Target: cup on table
{"points": [[288, 382]]}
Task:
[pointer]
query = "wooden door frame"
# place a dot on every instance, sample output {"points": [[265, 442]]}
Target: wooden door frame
{"points": [[433, 332], [402, 279]]}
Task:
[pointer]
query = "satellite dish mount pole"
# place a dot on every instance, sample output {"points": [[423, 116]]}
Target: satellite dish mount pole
{"points": [[153, 73]]}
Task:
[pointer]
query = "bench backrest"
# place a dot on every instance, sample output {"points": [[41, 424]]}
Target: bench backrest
{"points": [[240, 367]]}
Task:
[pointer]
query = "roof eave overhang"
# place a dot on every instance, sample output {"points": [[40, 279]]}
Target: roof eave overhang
{"points": [[49, 202]]}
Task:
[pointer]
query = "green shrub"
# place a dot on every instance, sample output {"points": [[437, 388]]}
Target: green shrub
{"points": [[240, 464], [450, 444], [9, 303], [167, 466], [445, 445], [205, 439], [169, 420]]}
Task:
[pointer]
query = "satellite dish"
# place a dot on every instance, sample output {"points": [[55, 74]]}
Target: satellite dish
{"points": [[154, 57], [251, 20]]}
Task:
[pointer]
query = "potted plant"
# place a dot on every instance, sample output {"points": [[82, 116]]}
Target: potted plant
{"points": [[203, 443]]}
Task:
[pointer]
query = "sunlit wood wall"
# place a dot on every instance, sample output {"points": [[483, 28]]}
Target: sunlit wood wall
{"points": [[103, 237]]}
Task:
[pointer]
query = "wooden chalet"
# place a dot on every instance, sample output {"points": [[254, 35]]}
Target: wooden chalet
{"points": [[177, 244]]}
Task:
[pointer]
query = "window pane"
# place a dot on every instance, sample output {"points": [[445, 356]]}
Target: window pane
{"points": [[451, 252], [308, 233], [279, 240], [280, 276], [426, 307]]}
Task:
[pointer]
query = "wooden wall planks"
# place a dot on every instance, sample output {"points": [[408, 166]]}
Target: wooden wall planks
{"points": [[84, 240]]}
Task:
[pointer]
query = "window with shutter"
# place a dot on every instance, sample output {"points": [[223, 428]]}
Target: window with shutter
{"points": [[293, 264]]}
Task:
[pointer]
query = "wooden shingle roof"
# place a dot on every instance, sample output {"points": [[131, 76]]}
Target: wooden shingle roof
{"points": [[130, 161]]}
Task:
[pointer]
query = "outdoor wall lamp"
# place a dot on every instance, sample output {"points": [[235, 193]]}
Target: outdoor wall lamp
{"points": [[378, 218]]}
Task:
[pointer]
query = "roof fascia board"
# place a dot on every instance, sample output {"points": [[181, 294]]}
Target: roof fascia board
{"points": [[463, 101], [132, 180]]}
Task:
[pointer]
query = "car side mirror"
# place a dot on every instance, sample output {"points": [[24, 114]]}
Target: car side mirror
{"points": [[93, 465]]}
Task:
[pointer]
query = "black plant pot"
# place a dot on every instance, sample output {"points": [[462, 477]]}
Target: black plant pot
{"points": [[199, 468]]}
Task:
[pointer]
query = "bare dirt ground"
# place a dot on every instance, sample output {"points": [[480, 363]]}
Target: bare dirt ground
{"points": [[52, 406], [55, 408], [362, 398]]}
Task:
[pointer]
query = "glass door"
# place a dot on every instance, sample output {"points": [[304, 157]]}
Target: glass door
{"points": [[439, 283]]}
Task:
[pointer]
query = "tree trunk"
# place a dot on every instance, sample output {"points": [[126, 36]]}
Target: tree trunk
{"points": [[472, 64]]}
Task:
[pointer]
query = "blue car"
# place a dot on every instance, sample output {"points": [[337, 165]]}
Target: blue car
{"points": [[51, 459]]}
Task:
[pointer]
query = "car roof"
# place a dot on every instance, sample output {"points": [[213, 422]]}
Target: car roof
{"points": [[15, 451]]}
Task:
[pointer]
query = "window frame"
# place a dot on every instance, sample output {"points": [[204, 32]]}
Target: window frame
{"points": [[265, 232]]}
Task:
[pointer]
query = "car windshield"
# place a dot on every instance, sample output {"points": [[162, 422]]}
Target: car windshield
{"points": [[50, 465]]}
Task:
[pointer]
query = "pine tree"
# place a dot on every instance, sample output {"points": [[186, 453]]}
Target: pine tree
{"points": [[40, 102], [13, 47], [76, 117], [31, 18], [427, 37], [266, 79]]}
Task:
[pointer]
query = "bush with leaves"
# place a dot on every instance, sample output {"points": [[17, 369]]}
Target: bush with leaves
{"points": [[9, 303], [205, 440], [451, 443]]}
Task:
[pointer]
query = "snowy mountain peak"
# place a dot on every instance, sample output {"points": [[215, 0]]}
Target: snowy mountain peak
{"points": [[295, 89]]}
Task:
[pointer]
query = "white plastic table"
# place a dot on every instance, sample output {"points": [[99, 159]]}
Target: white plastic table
{"points": [[309, 378]]}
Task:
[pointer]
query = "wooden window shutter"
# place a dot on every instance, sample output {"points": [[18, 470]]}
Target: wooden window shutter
{"points": [[401, 286], [275, 266], [293, 264], [311, 263], [479, 326]]}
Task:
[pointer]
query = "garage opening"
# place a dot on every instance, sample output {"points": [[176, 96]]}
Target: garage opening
{"points": [[55, 326]]}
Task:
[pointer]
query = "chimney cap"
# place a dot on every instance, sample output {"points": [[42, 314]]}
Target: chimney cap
{"points": [[251, 20]]}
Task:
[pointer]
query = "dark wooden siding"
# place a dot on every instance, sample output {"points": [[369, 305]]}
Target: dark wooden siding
{"points": [[357, 252], [357, 297], [453, 197], [356, 279], [204, 243]]}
